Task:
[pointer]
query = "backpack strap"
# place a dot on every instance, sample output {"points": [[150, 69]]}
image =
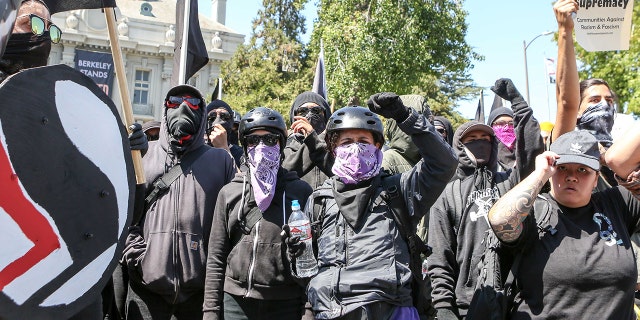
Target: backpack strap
{"points": [[162, 183]]}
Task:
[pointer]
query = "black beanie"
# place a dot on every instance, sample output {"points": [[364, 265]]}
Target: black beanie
{"points": [[497, 112], [309, 96], [217, 104]]}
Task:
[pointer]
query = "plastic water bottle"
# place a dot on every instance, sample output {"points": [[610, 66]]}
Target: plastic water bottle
{"points": [[299, 225]]}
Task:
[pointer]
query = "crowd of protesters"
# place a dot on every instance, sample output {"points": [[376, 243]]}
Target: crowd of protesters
{"points": [[214, 242]]}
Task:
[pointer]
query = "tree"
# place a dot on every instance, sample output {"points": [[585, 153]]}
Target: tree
{"points": [[619, 68], [404, 46], [272, 69]]}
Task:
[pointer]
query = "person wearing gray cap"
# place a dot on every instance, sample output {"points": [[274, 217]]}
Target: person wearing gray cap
{"points": [[581, 263], [457, 223], [165, 251]]}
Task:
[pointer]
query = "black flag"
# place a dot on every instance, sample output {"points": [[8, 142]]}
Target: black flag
{"points": [[68, 5], [480, 110], [197, 56], [497, 103]]}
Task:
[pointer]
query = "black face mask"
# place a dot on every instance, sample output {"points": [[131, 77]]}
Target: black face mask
{"points": [[481, 150], [598, 118], [183, 123], [24, 50], [317, 121]]}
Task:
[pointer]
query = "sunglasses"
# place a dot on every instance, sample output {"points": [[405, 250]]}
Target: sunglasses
{"points": [[39, 26], [268, 139], [302, 111], [224, 116], [503, 123], [441, 130], [175, 101]]}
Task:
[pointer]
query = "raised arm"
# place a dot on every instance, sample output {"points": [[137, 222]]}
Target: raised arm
{"points": [[507, 214], [623, 157], [567, 80]]}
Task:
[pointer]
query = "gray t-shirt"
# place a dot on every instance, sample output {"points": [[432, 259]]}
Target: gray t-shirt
{"points": [[587, 269]]}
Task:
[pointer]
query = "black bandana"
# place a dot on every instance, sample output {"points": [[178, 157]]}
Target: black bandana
{"points": [[183, 123], [24, 50], [598, 119], [481, 150]]}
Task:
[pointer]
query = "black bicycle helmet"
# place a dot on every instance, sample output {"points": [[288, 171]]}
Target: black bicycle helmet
{"points": [[355, 117], [263, 118]]}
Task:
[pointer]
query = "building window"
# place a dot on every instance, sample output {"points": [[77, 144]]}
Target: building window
{"points": [[141, 86]]}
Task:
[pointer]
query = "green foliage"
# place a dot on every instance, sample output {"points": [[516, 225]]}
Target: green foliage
{"points": [[403, 46], [619, 68], [273, 68]]}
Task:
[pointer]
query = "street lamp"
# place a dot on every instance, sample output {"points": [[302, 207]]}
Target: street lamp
{"points": [[526, 45]]}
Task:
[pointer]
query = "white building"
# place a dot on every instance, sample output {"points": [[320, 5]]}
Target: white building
{"points": [[146, 31]]}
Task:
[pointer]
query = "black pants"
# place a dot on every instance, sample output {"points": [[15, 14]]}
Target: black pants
{"points": [[143, 304], [239, 308]]}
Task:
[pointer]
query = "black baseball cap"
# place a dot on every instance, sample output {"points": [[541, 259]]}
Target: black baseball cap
{"points": [[579, 146]]}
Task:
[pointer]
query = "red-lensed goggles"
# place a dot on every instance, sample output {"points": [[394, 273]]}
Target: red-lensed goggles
{"points": [[175, 101]]}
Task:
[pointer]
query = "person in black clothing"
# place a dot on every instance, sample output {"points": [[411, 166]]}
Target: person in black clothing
{"points": [[248, 274], [457, 222], [220, 129], [501, 120], [444, 128], [308, 117], [356, 232], [586, 267]]}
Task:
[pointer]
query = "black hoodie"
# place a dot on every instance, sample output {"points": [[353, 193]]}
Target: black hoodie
{"points": [[458, 223]]}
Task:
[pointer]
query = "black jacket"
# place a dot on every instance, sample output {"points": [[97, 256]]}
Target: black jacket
{"points": [[253, 265], [308, 157], [457, 222]]}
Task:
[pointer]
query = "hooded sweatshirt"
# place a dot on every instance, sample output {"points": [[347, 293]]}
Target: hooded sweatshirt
{"points": [[301, 153], [167, 255], [444, 122], [458, 220], [253, 265]]}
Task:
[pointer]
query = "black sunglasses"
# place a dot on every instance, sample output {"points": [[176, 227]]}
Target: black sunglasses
{"points": [[268, 139], [441, 130], [38, 27], [303, 111], [223, 115]]}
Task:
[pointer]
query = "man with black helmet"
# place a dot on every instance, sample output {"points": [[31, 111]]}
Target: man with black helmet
{"points": [[363, 259], [166, 250], [247, 269]]}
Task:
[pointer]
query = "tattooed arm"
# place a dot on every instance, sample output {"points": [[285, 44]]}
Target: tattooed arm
{"points": [[507, 214]]}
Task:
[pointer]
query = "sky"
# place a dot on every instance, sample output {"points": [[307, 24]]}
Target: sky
{"points": [[496, 30]]}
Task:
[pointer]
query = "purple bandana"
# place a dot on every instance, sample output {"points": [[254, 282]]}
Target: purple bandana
{"points": [[264, 162], [506, 135], [357, 162]]}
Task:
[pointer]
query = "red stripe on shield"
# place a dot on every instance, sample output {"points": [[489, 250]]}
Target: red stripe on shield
{"points": [[34, 226]]}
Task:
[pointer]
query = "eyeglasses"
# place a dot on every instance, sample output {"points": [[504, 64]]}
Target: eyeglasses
{"points": [[39, 26], [303, 111], [268, 139], [503, 123], [224, 116], [175, 101], [441, 130]]}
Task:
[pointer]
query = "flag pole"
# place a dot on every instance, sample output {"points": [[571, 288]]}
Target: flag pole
{"points": [[185, 39], [127, 110]]}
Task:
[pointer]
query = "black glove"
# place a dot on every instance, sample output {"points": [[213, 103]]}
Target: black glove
{"points": [[137, 138], [388, 105], [294, 246], [505, 89], [446, 314]]}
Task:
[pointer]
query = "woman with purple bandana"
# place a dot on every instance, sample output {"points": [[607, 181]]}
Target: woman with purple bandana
{"points": [[248, 274], [363, 261]]}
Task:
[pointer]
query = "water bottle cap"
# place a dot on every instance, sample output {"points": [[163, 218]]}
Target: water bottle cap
{"points": [[295, 205]]}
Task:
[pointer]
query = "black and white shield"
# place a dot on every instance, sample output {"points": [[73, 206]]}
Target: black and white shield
{"points": [[67, 184]]}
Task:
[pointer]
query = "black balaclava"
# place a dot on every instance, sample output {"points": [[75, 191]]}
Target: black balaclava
{"points": [[318, 122], [183, 123], [24, 50], [227, 125], [598, 119]]}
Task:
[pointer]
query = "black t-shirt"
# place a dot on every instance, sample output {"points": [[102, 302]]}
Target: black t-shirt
{"points": [[587, 269]]}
